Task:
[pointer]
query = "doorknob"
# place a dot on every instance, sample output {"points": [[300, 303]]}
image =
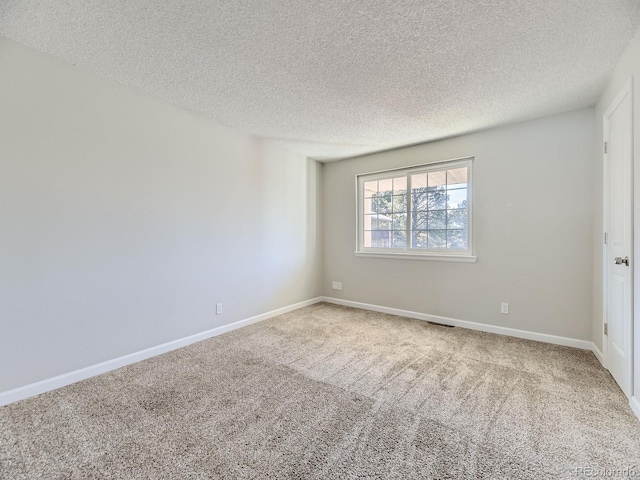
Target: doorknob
{"points": [[620, 261]]}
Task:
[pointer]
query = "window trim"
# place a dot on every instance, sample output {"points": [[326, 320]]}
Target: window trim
{"points": [[442, 255]]}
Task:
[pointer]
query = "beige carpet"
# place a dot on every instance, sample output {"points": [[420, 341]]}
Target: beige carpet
{"points": [[332, 392]]}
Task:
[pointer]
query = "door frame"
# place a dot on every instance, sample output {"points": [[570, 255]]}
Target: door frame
{"points": [[626, 90]]}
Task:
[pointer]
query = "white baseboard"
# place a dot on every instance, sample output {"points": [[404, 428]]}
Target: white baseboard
{"points": [[483, 327], [54, 383], [635, 406], [598, 353]]}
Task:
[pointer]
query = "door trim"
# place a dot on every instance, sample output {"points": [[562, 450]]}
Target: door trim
{"points": [[626, 90]]}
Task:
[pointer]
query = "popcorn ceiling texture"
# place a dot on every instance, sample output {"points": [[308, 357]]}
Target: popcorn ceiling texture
{"points": [[337, 78]]}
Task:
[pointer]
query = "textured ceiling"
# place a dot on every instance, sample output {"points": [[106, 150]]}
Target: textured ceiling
{"points": [[336, 78]]}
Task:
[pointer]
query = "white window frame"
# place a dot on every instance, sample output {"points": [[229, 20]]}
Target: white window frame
{"points": [[415, 253]]}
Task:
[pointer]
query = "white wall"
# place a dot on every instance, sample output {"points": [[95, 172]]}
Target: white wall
{"points": [[532, 223], [629, 65], [123, 220]]}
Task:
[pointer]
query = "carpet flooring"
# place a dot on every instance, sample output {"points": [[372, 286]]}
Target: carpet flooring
{"points": [[332, 392]]}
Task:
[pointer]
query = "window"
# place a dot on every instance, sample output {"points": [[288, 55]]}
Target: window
{"points": [[419, 212]]}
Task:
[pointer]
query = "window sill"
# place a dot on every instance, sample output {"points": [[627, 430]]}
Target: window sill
{"points": [[432, 257]]}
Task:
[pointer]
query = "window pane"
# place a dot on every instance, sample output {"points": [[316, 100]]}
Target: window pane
{"points": [[457, 219], [399, 185], [382, 239], [437, 238], [419, 180], [419, 239], [381, 203], [437, 179], [399, 239], [384, 222], [419, 199], [457, 198], [457, 178], [399, 221], [367, 239], [399, 203], [457, 239], [370, 188], [437, 198], [385, 186], [437, 220], [374, 239], [370, 222], [419, 220], [368, 206]]}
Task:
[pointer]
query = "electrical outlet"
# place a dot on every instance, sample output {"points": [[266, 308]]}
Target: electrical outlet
{"points": [[504, 308], [336, 285], [218, 309]]}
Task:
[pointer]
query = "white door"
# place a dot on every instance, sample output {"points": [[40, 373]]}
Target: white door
{"points": [[619, 227]]}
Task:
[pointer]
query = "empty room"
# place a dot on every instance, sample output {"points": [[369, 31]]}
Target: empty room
{"points": [[337, 239]]}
